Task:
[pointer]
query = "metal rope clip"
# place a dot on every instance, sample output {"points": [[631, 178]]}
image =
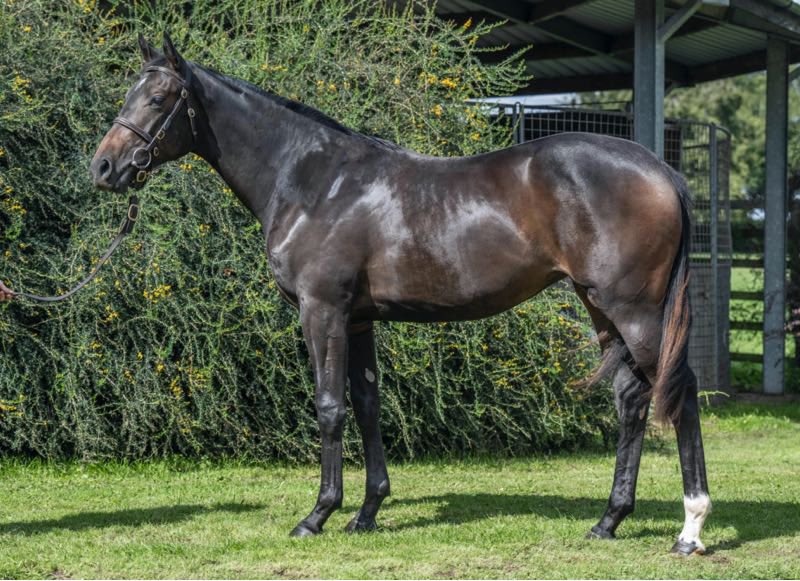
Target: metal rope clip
{"points": [[135, 163]]}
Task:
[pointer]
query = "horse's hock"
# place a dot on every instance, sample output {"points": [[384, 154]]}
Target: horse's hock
{"points": [[702, 152]]}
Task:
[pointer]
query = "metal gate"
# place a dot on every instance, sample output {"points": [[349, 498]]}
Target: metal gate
{"points": [[702, 152]]}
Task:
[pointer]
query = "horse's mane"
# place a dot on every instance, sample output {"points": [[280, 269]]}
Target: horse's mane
{"points": [[294, 106]]}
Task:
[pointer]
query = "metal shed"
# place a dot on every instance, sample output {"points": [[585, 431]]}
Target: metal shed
{"points": [[653, 46]]}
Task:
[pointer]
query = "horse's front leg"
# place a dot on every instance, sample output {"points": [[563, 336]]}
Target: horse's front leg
{"points": [[325, 331]]}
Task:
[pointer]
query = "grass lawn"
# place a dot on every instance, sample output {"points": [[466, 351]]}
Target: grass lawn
{"points": [[472, 518]]}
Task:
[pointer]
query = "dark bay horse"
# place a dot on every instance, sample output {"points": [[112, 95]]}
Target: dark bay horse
{"points": [[358, 230]]}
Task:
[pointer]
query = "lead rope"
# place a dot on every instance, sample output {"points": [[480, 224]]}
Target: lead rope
{"points": [[124, 230]]}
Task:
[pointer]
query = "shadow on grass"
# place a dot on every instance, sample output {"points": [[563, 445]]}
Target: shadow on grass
{"points": [[752, 520], [128, 518]]}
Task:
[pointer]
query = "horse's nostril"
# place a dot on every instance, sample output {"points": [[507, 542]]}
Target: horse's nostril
{"points": [[104, 169]]}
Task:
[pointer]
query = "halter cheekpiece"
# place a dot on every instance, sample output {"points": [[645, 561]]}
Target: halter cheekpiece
{"points": [[142, 157]]}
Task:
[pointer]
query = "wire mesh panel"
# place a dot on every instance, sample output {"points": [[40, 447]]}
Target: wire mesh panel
{"points": [[700, 151]]}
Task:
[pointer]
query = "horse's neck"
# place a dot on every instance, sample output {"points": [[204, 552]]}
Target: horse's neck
{"points": [[254, 143]]}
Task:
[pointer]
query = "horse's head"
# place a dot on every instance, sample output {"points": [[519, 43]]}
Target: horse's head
{"points": [[155, 125]]}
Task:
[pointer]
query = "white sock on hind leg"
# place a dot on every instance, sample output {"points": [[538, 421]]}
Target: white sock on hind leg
{"points": [[697, 509]]}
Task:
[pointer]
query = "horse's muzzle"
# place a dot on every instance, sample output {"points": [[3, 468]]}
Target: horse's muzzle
{"points": [[103, 174]]}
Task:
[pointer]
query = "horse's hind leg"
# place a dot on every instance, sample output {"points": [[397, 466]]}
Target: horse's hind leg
{"points": [[696, 501], [640, 325], [630, 395], [632, 406], [363, 374]]}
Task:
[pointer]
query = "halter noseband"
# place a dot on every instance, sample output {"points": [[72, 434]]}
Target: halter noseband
{"points": [[142, 157]]}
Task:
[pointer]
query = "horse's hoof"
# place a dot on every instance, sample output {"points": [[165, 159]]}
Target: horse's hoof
{"points": [[358, 526], [685, 549], [303, 530], [598, 533]]}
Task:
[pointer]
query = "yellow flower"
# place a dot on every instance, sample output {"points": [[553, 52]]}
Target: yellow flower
{"points": [[2, 152], [449, 83], [176, 389], [27, 28], [475, 136], [428, 78], [204, 229], [160, 367], [397, 80], [332, 87], [101, 39], [158, 293], [111, 314], [467, 24], [437, 110]]}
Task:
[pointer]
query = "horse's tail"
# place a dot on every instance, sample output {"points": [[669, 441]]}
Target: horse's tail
{"points": [[672, 381]]}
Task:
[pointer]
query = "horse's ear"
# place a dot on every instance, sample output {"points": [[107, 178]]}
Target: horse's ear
{"points": [[174, 58], [149, 52]]}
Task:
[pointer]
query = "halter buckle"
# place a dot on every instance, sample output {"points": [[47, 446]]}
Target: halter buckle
{"points": [[160, 135], [141, 176], [133, 212], [184, 93], [155, 152]]}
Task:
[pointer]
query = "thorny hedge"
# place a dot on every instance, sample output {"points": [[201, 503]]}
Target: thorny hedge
{"points": [[183, 344]]}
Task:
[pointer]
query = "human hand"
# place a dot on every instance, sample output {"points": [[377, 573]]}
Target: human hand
{"points": [[6, 294]]}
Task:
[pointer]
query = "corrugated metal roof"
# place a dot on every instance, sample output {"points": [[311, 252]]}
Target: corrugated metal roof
{"points": [[516, 35], [611, 16], [715, 44], [574, 67], [715, 41]]}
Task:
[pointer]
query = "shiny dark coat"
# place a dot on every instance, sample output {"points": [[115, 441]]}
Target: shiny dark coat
{"points": [[358, 229]]}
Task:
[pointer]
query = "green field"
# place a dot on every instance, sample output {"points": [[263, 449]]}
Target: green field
{"points": [[462, 518]]}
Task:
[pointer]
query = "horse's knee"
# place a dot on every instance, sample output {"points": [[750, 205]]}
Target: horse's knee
{"points": [[331, 416]]}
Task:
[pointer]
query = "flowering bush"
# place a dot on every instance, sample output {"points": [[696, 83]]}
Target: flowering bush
{"points": [[183, 345]]}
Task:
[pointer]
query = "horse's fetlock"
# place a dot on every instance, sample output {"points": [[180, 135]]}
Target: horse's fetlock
{"points": [[383, 489], [623, 509], [330, 500]]}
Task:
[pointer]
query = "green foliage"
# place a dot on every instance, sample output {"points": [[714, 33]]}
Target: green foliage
{"points": [[183, 345]]}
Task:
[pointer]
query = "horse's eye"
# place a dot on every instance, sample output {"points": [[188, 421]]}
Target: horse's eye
{"points": [[157, 100]]}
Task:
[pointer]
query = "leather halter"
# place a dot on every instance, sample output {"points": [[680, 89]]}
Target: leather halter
{"points": [[142, 157], [150, 150]]}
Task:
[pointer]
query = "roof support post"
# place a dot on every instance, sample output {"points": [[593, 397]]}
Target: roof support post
{"points": [[775, 215], [648, 76]]}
